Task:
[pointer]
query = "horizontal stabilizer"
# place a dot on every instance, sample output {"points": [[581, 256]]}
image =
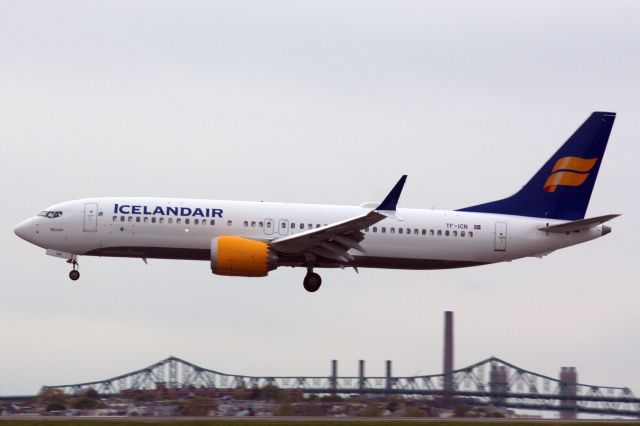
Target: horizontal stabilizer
{"points": [[577, 225]]}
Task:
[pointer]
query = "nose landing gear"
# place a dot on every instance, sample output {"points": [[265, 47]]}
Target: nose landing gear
{"points": [[74, 274], [312, 281]]}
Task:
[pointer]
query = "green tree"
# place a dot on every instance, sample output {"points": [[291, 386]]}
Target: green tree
{"points": [[84, 403], [393, 404], [92, 393], [331, 398], [199, 406], [52, 396], [284, 410], [241, 393], [414, 412], [372, 410], [271, 393], [56, 406]]}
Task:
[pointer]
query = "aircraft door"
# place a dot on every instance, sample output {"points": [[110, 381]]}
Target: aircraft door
{"points": [[90, 217], [283, 227], [268, 226], [501, 236]]}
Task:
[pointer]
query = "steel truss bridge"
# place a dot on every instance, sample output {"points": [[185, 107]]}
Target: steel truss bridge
{"points": [[489, 382]]}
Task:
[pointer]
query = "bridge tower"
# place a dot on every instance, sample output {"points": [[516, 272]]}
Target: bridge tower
{"points": [[498, 384], [568, 388]]}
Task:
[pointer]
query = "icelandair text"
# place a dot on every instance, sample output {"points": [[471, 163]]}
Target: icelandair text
{"points": [[166, 211]]}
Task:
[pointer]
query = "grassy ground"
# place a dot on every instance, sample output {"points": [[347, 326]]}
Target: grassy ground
{"points": [[281, 422]]}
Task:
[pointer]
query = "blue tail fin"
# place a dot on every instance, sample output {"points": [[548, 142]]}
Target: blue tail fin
{"points": [[562, 187]]}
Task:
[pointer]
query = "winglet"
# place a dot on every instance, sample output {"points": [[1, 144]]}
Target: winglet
{"points": [[389, 203]]}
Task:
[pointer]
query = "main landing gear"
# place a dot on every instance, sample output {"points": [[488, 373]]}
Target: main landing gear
{"points": [[312, 281], [74, 274]]}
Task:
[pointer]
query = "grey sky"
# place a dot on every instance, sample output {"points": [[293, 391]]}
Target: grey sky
{"points": [[320, 102]]}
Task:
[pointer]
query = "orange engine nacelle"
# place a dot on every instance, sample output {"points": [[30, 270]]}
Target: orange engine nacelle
{"points": [[241, 257]]}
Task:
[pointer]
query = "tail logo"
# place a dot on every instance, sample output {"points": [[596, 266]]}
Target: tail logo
{"points": [[569, 171]]}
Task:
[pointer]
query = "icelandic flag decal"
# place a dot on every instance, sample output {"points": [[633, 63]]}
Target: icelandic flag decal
{"points": [[477, 227]]}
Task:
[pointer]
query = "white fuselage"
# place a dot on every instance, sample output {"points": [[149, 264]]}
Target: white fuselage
{"points": [[184, 229]]}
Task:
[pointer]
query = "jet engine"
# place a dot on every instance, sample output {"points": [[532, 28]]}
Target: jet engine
{"points": [[241, 257]]}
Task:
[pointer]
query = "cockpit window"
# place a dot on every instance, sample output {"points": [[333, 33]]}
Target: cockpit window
{"points": [[50, 214]]}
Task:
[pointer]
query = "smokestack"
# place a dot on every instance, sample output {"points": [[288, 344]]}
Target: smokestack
{"points": [[448, 355], [334, 375], [389, 378], [361, 374]]}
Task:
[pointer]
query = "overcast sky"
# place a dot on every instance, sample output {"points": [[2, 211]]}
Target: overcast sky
{"points": [[315, 102]]}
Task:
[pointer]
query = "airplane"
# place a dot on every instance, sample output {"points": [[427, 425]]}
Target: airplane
{"points": [[250, 239]]}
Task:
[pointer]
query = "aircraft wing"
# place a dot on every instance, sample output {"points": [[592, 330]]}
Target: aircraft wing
{"points": [[333, 241]]}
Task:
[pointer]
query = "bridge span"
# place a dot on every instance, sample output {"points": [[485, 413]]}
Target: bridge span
{"points": [[489, 382]]}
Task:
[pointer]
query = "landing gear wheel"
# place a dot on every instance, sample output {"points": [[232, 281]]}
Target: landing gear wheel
{"points": [[74, 274], [312, 282]]}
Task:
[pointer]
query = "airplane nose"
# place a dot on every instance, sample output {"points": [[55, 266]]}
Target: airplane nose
{"points": [[24, 229]]}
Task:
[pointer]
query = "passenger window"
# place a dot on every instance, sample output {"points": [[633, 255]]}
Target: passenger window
{"points": [[196, 221], [471, 233], [178, 221], [245, 223], [186, 221], [260, 224], [409, 231], [462, 233], [121, 218], [283, 225], [446, 233], [170, 220], [399, 230], [455, 233], [310, 226], [268, 224], [212, 222], [161, 220], [293, 225], [229, 222], [253, 223], [415, 231], [115, 218], [392, 230], [431, 232], [439, 232], [138, 219], [302, 226], [130, 219], [317, 225], [153, 220], [383, 229], [146, 219], [375, 229], [424, 232]]}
